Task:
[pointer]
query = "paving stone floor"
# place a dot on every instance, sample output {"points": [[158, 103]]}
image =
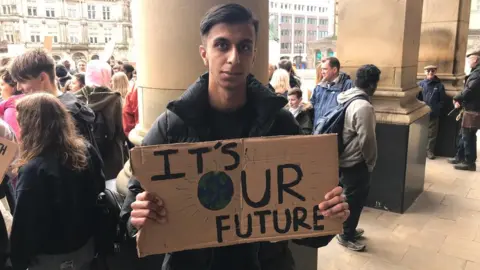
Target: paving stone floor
{"points": [[440, 231]]}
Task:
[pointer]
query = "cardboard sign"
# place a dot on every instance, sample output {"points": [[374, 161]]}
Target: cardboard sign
{"points": [[48, 43], [237, 191], [8, 149]]}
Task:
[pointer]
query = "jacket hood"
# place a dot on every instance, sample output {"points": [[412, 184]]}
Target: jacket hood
{"points": [[77, 108], [349, 94], [193, 103], [97, 98]]}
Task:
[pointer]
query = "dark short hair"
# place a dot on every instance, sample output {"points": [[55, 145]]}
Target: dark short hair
{"points": [[285, 64], [31, 64], [80, 77], [7, 78], [295, 91], [332, 62], [128, 68], [230, 13], [367, 75]]}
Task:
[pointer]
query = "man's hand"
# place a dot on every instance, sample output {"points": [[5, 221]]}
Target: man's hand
{"points": [[456, 104], [334, 205], [147, 206]]}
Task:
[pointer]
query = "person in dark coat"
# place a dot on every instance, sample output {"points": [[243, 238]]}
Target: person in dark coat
{"points": [[107, 106], [225, 103], [469, 101], [433, 94], [302, 111]]}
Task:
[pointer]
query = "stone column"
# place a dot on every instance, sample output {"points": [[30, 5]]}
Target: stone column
{"points": [[388, 36], [444, 43], [168, 64]]}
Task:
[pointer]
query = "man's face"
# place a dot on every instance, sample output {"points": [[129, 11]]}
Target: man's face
{"points": [[117, 68], [229, 53], [38, 84], [328, 73], [81, 67], [294, 101], [430, 73], [66, 64], [472, 61]]}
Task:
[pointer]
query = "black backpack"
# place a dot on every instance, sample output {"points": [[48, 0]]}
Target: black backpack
{"points": [[334, 122]]}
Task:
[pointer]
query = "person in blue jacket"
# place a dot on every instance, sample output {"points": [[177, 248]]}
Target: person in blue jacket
{"points": [[433, 94], [324, 97]]}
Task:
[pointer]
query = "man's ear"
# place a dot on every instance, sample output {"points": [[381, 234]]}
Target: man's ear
{"points": [[203, 54], [44, 77]]}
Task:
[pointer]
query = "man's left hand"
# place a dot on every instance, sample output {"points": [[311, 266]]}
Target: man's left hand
{"points": [[334, 205]]}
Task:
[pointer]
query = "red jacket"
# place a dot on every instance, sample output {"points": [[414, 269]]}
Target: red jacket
{"points": [[130, 111]]}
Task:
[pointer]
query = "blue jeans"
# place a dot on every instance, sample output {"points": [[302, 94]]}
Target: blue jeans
{"points": [[467, 145]]}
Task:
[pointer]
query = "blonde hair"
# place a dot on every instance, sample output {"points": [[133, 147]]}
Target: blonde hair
{"points": [[280, 81], [120, 83], [319, 76], [47, 127]]}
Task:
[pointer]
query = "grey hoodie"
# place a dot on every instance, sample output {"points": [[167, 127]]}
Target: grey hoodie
{"points": [[358, 131]]}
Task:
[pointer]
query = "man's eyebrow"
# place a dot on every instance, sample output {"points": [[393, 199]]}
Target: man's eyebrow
{"points": [[221, 39]]}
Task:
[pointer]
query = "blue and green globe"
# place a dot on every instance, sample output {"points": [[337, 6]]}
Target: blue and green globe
{"points": [[215, 190]]}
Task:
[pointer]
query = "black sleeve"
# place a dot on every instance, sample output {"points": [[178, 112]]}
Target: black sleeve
{"points": [[156, 135], [29, 228], [473, 84]]}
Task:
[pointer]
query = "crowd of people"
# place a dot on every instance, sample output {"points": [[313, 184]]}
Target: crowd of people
{"points": [[72, 126]]}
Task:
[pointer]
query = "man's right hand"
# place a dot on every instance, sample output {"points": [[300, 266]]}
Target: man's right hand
{"points": [[147, 206]]}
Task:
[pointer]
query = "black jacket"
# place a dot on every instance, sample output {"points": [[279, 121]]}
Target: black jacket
{"points": [[184, 121], [470, 96], [305, 119], [56, 208], [433, 94]]}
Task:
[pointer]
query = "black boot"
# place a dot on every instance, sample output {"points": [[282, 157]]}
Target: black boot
{"points": [[454, 160], [466, 167]]}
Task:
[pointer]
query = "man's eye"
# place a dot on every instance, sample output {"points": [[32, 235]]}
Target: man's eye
{"points": [[222, 46], [247, 48]]}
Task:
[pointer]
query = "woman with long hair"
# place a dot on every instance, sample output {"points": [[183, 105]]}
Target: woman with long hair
{"points": [[10, 95], [318, 71], [294, 79], [78, 82], [59, 179], [120, 84], [280, 82]]}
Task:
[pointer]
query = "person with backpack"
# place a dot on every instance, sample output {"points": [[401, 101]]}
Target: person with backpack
{"points": [[324, 97], [359, 150], [107, 106], [59, 180], [227, 102], [34, 71]]}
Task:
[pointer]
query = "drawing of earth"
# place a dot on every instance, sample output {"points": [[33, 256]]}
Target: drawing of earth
{"points": [[215, 190]]}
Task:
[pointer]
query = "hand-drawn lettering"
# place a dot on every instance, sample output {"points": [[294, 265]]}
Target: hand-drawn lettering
{"points": [[239, 229], [236, 157], [288, 222], [299, 216], [266, 194], [166, 164], [262, 215], [282, 187], [199, 152], [221, 228], [3, 149], [317, 216]]}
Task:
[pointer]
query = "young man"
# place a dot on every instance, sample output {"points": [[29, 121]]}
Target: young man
{"points": [[225, 103], [34, 71], [360, 154], [433, 94], [324, 97], [469, 101], [302, 111]]}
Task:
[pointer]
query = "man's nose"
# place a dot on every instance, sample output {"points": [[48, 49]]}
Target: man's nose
{"points": [[233, 57]]}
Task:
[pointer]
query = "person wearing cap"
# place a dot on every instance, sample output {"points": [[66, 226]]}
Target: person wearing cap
{"points": [[433, 94], [360, 155], [469, 102]]}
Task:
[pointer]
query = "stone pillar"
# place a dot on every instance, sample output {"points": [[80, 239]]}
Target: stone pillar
{"points": [[388, 36], [168, 64], [444, 43]]}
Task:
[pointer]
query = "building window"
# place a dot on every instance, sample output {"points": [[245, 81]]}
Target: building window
{"points": [[9, 37], [285, 32], [50, 12], [312, 33], [298, 32], [72, 13], [9, 9], [299, 20], [312, 21], [35, 38], [322, 34], [74, 39], [32, 11], [285, 46], [286, 19], [91, 11], [323, 21], [93, 40], [106, 13]]}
